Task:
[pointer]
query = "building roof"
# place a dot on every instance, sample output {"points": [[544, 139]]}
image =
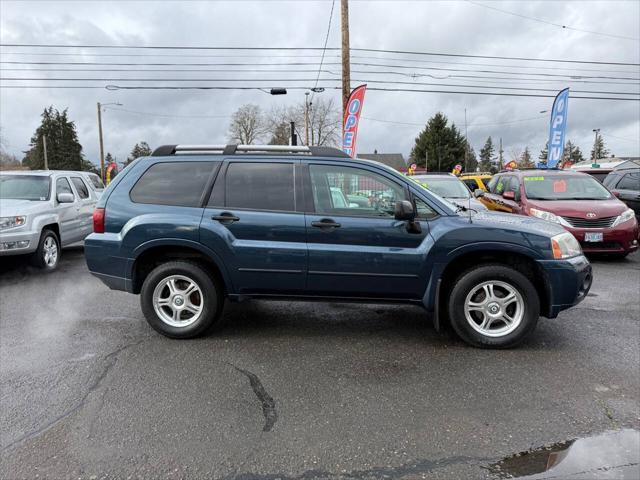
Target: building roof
{"points": [[393, 160]]}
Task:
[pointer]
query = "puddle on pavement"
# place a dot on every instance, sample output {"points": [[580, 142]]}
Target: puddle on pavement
{"points": [[608, 455]]}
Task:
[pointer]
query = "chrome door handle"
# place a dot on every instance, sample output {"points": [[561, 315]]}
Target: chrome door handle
{"points": [[225, 218], [325, 223]]}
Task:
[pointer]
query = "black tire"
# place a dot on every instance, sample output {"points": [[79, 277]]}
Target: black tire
{"points": [[211, 301], [39, 258], [475, 277]]}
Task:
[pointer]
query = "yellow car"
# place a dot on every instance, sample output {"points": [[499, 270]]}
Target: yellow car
{"points": [[476, 180]]}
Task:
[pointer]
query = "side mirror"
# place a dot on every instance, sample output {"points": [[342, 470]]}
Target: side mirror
{"points": [[65, 198], [404, 211], [478, 193], [509, 195]]}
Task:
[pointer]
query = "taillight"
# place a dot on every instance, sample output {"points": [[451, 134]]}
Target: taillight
{"points": [[98, 220]]}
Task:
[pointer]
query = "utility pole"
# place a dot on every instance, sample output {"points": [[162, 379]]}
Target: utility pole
{"points": [[346, 66], [101, 143], [306, 118], [44, 145], [466, 141], [500, 158], [595, 146], [294, 138]]}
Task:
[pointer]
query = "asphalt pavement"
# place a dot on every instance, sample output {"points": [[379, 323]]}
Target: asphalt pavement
{"points": [[299, 390]]}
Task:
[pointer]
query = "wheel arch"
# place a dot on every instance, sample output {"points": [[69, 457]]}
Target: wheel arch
{"points": [[517, 259], [152, 254]]}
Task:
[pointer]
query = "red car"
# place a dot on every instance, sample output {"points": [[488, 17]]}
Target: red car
{"points": [[598, 220]]}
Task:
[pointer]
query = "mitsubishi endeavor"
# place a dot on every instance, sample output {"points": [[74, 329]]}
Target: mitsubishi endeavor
{"points": [[193, 225]]}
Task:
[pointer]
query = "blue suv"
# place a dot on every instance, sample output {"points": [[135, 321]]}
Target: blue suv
{"points": [[193, 225]]}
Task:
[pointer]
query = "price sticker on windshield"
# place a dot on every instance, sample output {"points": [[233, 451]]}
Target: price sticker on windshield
{"points": [[559, 186], [533, 179]]}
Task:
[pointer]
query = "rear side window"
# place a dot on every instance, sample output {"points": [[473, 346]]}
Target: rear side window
{"points": [[260, 186], [97, 183], [177, 183], [81, 187], [631, 181]]}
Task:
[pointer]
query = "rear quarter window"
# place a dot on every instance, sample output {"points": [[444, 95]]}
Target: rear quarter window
{"points": [[180, 184]]}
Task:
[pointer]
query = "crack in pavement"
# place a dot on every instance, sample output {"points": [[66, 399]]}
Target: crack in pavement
{"points": [[268, 403], [401, 471], [111, 359]]}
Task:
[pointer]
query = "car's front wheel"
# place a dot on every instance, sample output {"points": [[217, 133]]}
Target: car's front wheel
{"points": [[180, 300], [493, 306], [47, 254]]}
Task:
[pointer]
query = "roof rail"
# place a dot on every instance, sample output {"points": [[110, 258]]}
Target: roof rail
{"points": [[232, 149]]}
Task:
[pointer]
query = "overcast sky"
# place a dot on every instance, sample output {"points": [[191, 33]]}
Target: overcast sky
{"points": [[459, 27]]}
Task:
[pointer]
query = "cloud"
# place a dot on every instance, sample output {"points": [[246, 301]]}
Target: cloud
{"points": [[447, 26]]}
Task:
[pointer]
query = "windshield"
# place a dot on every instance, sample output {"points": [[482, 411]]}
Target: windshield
{"points": [[24, 187], [564, 187], [443, 186]]}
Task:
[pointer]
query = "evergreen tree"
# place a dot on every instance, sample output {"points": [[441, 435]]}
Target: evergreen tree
{"points": [[572, 153], [64, 151], [141, 149], [599, 149], [487, 156], [439, 147], [472, 160], [525, 159], [544, 153]]}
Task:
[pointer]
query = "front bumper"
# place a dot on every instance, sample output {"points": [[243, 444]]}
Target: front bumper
{"points": [[567, 283], [19, 242], [620, 239]]}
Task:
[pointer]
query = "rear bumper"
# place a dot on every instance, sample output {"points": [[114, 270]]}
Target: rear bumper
{"points": [[104, 260], [620, 239], [567, 282]]}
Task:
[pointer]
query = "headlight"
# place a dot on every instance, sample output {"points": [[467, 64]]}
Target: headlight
{"points": [[628, 214], [548, 216], [565, 245], [11, 222]]}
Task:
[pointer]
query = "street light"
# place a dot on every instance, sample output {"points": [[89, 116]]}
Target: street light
{"points": [[100, 135], [595, 144]]}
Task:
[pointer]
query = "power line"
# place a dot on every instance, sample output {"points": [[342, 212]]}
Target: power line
{"points": [[236, 87], [324, 49], [362, 57], [330, 72], [122, 64], [406, 52], [238, 80], [566, 27], [528, 119]]}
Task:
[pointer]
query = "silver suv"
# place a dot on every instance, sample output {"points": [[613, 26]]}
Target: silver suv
{"points": [[43, 211]]}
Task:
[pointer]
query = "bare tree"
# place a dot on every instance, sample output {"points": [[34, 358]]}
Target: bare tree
{"points": [[325, 126], [247, 124], [324, 123]]}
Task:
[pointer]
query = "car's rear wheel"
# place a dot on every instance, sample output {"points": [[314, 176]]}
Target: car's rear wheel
{"points": [[47, 255], [493, 306], [180, 300]]}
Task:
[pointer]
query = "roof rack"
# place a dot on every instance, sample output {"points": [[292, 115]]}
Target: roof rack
{"points": [[232, 149]]}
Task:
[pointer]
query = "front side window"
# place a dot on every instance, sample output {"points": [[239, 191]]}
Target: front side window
{"points": [[81, 187], [260, 186], [352, 191], [493, 185], [564, 187], [176, 183], [24, 187], [63, 186]]}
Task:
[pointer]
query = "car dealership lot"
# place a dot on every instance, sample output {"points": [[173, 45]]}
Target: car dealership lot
{"points": [[297, 390]]}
